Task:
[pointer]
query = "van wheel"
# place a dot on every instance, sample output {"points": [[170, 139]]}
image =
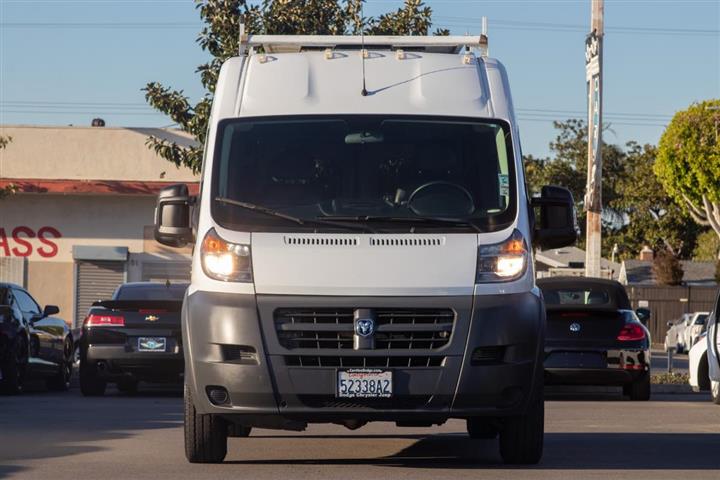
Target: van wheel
{"points": [[715, 391], [205, 434], [91, 385], [639, 390], [522, 436], [14, 368]]}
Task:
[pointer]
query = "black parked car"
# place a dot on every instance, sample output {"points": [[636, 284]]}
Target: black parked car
{"points": [[133, 337], [33, 343], [594, 337]]}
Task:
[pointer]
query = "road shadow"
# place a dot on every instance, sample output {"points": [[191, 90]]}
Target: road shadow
{"points": [[563, 451], [66, 423]]}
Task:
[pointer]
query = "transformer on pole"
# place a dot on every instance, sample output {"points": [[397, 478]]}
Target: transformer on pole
{"points": [[593, 195]]}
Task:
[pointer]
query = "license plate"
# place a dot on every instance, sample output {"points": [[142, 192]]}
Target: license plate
{"points": [[151, 344], [364, 383]]}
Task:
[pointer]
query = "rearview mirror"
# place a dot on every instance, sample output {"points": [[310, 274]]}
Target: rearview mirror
{"points": [[172, 216], [50, 310], [643, 314], [670, 324], [557, 224]]}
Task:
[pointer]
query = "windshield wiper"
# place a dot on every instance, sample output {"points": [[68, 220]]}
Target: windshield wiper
{"points": [[425, 220], [300, 221]]}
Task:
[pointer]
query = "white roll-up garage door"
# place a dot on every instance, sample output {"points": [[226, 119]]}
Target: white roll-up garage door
{"points": [[173, 272], [96, 280]]}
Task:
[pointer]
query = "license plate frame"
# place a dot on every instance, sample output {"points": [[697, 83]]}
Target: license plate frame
{"points": [[152, 344], [364, 383]]}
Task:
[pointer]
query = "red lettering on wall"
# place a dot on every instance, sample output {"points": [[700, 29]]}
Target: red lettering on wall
{"points": [[4, 243], [52, 249], [18, 244], [25, 249]]}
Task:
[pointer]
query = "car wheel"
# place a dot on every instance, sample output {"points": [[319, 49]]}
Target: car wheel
{"points": [[60, 382], [128, 386], [205, 434], [639, 390], [715, 391], [522, 436], [15, 368], [481, 428], [91, 385]]}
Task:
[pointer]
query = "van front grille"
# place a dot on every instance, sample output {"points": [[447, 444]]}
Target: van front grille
{"points": [[363, 361], [332, 329]]}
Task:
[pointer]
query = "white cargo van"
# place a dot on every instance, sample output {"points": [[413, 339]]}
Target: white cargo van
{"points": [[363, 245]]}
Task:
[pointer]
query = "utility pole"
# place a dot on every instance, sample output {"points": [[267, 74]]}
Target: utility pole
{"points": [[593, 195]]}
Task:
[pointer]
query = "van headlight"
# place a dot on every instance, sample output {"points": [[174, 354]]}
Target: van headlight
{"points": [[502, 262], [222, 260]]}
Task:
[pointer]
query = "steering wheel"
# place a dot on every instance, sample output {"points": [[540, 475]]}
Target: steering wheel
{"points": [[450, 186]]}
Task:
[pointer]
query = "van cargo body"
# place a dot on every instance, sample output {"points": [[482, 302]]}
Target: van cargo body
{"points": [[363, 255]]}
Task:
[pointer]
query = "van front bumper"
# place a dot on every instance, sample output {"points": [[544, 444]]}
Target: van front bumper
{"points": [[489, 367]]}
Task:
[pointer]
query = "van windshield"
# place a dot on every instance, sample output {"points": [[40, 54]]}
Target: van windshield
{"points": [[395, 173]]}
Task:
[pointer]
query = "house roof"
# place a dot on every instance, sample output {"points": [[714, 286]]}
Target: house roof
{"points": [[640, 272], [563, 257]]}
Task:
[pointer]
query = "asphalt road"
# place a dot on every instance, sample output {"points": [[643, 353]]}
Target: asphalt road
{"points": [[57, 436]]}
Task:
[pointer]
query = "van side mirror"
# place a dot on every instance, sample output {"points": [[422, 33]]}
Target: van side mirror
{"points": [[50, 310], [643, 314], [172, 216], [557, 225]]}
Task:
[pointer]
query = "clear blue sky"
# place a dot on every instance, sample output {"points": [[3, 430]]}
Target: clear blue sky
{"points": [[67, 61]]}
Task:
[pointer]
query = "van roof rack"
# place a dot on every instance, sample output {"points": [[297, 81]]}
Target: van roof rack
{"points": [[299, 43]]}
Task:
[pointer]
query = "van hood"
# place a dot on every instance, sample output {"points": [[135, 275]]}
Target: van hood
{"points": [[351, 264]]}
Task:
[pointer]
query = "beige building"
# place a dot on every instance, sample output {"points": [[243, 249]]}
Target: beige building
{"points": [[81, 220]]}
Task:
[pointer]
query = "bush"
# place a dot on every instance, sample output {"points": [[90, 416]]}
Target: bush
{"points": [[670, 378], [667, 269]]}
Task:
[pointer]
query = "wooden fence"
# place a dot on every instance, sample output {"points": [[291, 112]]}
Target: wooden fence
{"points": [[669, 303]]}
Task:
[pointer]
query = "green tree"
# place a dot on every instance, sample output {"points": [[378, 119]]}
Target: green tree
{"points": [[649, 216], [708, 247], [688, 163], [219, 37], [636, 210], [5, 191]]}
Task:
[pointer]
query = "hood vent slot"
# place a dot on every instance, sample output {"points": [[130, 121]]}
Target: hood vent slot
{"points": [[407, 242], [322, 241]]}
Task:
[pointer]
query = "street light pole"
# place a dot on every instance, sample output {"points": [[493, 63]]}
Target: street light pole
{"points": [[593, 195]]}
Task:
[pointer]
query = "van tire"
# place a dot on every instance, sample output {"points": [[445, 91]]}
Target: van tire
{"points": [[522, 436], [91, 385], [639, 390], [205, 434]]}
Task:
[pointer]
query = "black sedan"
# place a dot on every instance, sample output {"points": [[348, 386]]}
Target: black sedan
{"points": [[33, 343], [133, 337], [594, 337]]}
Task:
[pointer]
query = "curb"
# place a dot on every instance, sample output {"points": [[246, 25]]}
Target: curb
{"points": [[671, 388], [654, 388]]}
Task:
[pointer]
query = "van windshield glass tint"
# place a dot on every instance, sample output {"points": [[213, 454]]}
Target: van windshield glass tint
{"points": [[395, 173]]}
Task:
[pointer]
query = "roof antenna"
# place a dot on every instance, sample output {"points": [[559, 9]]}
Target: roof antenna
{"points": [[364, 91]]}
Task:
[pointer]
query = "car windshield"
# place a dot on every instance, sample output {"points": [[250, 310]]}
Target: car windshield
{"points": [[151, 292], [392, 172]]}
